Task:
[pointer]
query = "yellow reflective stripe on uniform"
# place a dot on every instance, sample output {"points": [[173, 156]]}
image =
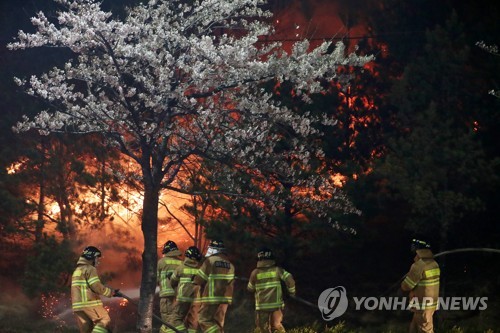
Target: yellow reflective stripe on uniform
{"points": [[189, 271], [212, 329], [164, 273], [82, 285], [185, 299], [221, 276], [79, 283], [166, 289], [285, 275], [81, 305], [267, 306], [202, 274], [264, 285], [93, 280], [425, 306], [410, 282], [190, 330], [211, 284], [167, 271], [178, 328], [83, 295], [166, 329], [250, 286], [291, 290], [185, 279], [432, 282], [216, 299], [99, 329], [172, 262], [432, 272], [266, 275]]}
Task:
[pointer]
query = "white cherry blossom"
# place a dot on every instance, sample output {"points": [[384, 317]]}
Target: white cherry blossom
{"points": [[175, 81]]}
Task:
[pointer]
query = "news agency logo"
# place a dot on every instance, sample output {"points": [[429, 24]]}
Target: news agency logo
{"points": [[333, 303]]}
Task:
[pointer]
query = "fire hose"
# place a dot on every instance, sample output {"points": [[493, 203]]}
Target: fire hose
{"points": [[296, 298], [468, 249], [303, 301], [120, 294]]}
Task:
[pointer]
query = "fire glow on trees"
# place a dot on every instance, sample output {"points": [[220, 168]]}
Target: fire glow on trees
{"points": [[123, 213], [156, 84]]}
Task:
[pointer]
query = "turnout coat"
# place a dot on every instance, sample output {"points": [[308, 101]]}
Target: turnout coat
{"points": [[86, 287], [265, 281], [422, 281]]}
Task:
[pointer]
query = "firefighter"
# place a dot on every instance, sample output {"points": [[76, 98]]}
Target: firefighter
{"points": [[185, 313], [422, 281], [216, 275], [265, 283], [86, 289], [166, 266]]}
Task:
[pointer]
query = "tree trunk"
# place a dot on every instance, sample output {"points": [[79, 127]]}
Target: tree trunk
{"points": [[103, 212], [288, 246], [70, 219], [149, 259], [40, 222]]}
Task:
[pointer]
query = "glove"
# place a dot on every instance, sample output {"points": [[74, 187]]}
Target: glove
{"points": [[116, 293]]}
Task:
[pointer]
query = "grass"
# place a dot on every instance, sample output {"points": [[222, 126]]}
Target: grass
{"points": [[342, 327], [40, 326]]}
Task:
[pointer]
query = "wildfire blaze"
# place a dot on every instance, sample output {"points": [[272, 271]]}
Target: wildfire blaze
{"points": [[105, 210]]}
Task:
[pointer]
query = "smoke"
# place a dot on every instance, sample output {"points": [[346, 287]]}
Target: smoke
{"points": [[13, 303], [318, 21], [23, 314]]}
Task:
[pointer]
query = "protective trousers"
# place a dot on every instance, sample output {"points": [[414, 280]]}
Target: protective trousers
{"points": [[212, 317], [269, 321], [184, 317], [422, 322], [93, 320], [167, 305]]}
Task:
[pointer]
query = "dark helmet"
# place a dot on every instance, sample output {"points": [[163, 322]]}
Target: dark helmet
{"points": [[217, 244], [193, 252], [91, 252], [169, 247], [265, 254], [417, 244]]}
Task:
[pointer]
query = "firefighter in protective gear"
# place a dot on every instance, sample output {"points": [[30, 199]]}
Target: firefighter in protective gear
{"points": [[166, 266], [216, 275], [265, 283], [422, 281], [86, 289], [185, 314]]}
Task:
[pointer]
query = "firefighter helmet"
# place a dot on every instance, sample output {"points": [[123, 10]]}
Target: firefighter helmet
{"points": [[215, 247], [417, 244], [217, 244], [193, 252], [91, 252], [265, 254], [169, 247]]}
